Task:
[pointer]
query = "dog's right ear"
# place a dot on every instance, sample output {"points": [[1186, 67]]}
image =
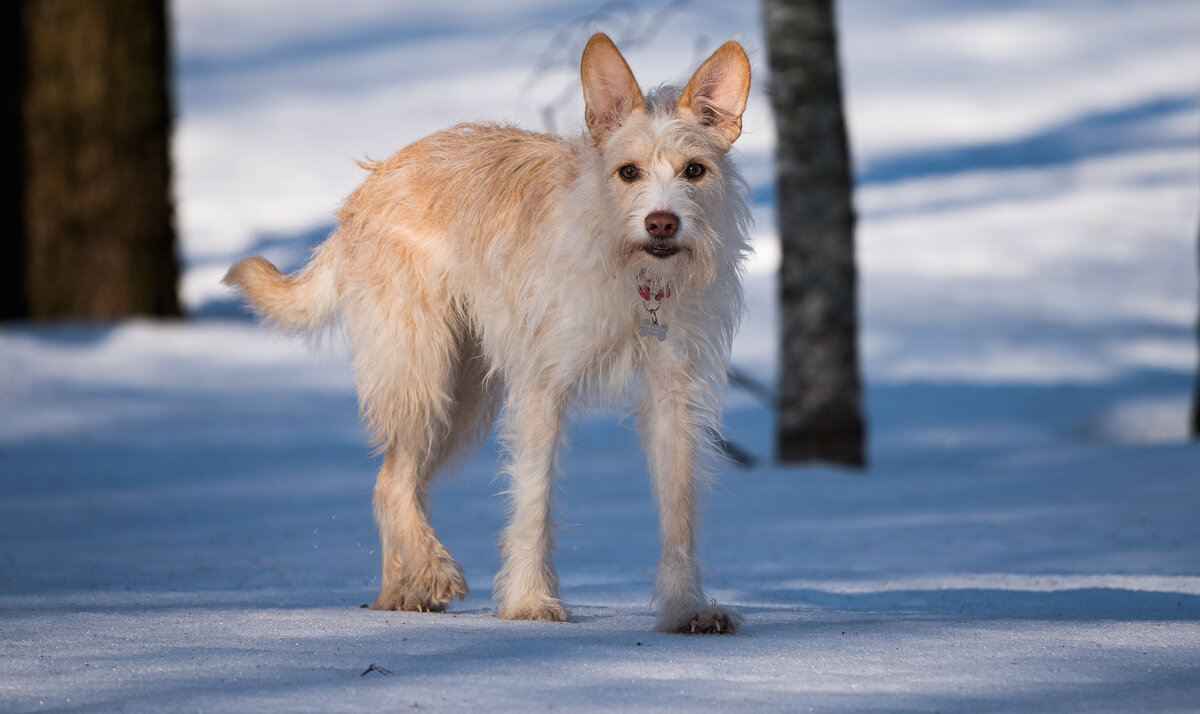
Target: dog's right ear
{"points": [[717, 92], [609, 89]]}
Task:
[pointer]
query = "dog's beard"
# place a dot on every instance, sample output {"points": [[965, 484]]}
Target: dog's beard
{"points": [[634, 266], [690, 268], [659, 272]]}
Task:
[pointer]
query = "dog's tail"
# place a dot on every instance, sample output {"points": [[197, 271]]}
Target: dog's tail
{"points": [[301, 302]]}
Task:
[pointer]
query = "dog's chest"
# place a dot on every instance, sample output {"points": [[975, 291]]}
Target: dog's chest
{"points": [[592, 346]]}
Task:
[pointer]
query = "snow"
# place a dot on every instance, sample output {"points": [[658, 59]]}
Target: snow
{"points": [[185, 521]]}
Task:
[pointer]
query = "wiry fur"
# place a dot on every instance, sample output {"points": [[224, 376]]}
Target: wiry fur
{"points": [[486, 269]]}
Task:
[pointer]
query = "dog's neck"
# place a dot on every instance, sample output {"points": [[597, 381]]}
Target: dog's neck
{"points": [[648, 293], [651, 327]]}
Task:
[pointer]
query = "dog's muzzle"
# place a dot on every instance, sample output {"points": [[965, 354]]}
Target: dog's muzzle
{"points": [[661, 227], [662, 249]]}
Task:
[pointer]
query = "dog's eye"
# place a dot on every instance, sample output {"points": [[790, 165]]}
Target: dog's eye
{"points": [[628, 172], [694, 171]]}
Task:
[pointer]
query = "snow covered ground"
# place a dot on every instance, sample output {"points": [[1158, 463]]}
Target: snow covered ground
{"points": [[185, 511]]}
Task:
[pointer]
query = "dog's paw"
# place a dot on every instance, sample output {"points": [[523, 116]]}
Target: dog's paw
{"points": [[549, 609], [698, 619], [442, 580], [439, 582], [395, 597]]}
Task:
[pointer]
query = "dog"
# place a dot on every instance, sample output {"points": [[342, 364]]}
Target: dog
{"points": [[488, 272]]}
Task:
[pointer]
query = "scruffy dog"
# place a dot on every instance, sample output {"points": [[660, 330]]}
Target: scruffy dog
{"points": [[489, 270]]}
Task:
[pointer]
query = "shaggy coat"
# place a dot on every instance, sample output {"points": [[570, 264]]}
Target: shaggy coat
{"points": [[489, 271]]}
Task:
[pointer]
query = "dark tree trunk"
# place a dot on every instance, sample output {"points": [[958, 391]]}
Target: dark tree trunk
{"points": [[99, 238], [12, 245], [820, 417]]}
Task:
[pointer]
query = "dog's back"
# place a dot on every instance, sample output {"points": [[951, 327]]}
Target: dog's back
{"points": [[447, 207]]}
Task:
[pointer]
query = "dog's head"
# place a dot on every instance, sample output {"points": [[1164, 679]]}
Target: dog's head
{"points": [[670, 195]]}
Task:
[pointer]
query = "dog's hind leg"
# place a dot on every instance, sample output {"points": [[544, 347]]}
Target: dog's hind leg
{"points": [[670, 433], [418, 571], [527, 584], [407, 368]]}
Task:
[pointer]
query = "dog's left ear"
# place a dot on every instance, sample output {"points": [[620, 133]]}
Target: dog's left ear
{"points": [[717, 91], [609, 90]]}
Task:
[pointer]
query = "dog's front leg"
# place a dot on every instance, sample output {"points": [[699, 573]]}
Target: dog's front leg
{"points": [[527, 584], [670, 435]]}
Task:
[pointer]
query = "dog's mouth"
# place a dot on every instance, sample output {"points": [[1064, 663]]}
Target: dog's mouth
{"points": [[662, 248]]}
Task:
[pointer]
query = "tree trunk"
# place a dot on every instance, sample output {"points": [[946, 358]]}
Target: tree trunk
{"points": [[820, 417], [99, 237], [12, 246]]}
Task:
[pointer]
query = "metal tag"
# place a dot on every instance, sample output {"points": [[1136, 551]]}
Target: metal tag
{"points": [[655, 328]]}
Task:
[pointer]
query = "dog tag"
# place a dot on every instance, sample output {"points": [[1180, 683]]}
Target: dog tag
{"points": [[655, 328]]}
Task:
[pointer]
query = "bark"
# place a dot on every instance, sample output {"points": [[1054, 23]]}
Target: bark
{"points": [[98, 235], [820, 417], [12, 245]]}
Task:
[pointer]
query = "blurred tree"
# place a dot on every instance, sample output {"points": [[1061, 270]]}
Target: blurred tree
{"points": [[12, 247], [820, 417], [89, 111]]}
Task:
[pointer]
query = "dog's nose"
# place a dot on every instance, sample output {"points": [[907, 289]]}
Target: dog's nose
{"points": [[662, 224]]}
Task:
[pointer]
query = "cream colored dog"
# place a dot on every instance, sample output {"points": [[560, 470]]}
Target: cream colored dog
{"points": [[489, 269]]}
